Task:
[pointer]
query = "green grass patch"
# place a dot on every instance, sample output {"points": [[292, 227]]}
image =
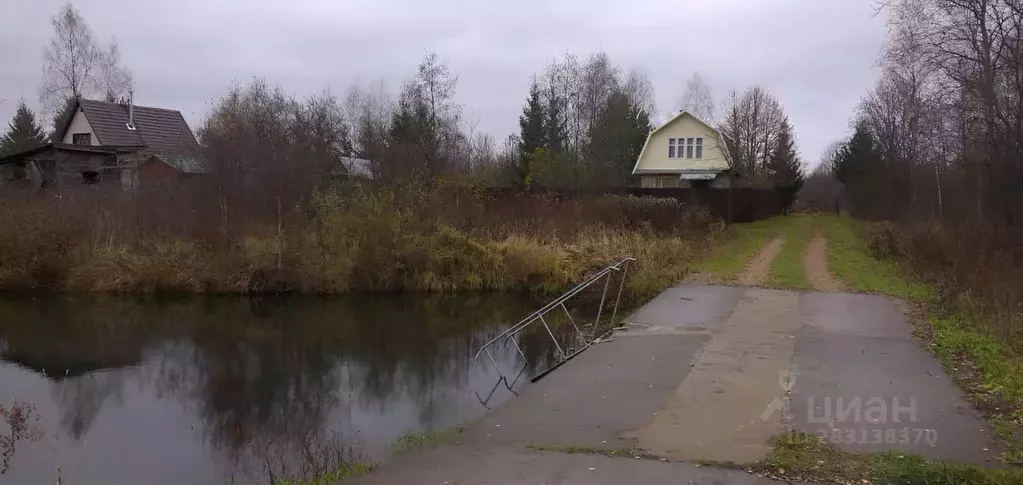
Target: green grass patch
{"points": [[850, 260], [742, 243], [407, 443], [787, 269], [422, 440], [955, 338], [349, 470], [991, 372], [803, 457]]}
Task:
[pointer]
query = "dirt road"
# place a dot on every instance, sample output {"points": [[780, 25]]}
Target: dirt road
{"points": [[815, 265], [756, 271]]}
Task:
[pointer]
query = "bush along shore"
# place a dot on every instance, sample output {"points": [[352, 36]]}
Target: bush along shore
{"points": [[351, 238]]}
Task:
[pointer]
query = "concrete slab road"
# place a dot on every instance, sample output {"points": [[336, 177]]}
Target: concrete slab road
{"points": [[714, 373], [866, 384]]}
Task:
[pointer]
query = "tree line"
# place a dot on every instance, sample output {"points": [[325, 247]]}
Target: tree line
{"points": [[940, 136], [583, 124]]}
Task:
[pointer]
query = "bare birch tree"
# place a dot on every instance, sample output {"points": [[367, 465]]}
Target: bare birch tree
{"points": [[561, 89], [368, 110], [752, 125], [113, 81], [438, 86], [640, 90], [71, 60], [75, 66], [697, 99], [599, 78]]}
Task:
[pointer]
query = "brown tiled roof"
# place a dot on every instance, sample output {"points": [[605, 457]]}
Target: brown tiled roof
{"points": [[157, 130]]}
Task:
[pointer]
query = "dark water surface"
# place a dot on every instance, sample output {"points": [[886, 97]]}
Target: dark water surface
{"points": [[222, 390]]}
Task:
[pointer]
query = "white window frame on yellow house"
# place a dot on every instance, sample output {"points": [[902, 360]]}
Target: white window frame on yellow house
{"points": [[685, 148]]}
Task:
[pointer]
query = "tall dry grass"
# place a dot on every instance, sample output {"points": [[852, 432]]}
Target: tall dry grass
{"points": [[446, 238]]}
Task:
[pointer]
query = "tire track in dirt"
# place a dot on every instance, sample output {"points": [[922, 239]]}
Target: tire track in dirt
{"points": [[756, 271], [815, 264]]}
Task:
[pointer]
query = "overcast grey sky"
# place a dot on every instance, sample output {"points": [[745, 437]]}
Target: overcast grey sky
{"points": [[816, 56]]}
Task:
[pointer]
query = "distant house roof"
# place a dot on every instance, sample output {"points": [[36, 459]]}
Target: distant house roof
{"points": [[182, 163], [358, 167], [157, 130]]}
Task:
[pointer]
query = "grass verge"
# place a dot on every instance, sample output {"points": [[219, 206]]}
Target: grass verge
{"points": [[787, 268], [988, 370], [741, 245], [407, 443], [423, 440], [850, 260], [746, 240], [803, 457], [349, 470]]}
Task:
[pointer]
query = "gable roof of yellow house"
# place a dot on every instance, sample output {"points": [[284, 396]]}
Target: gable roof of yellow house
{"points": [[684, 146]]}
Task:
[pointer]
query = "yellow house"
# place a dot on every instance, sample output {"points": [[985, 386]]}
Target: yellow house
{"points": [[684, 152]]}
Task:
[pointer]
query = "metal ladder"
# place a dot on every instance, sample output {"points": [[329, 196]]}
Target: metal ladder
{"points": [[583, 341]]}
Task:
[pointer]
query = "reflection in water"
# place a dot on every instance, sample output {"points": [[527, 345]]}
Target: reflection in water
{"points": [[204, 390], [81, 398]]}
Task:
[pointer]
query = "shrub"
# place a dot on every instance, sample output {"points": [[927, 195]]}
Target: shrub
{"points": [[453, 236], [970, 267]]}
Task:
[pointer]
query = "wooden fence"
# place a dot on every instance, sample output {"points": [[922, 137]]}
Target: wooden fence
{"points": [[734, 205]]}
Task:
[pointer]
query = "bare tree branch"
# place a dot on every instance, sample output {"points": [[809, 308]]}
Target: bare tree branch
{"points": [[75, 66]]}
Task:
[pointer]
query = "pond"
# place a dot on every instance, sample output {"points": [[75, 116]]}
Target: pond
{"points": [[208, 390]]}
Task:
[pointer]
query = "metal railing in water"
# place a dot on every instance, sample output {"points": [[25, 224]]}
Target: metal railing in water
{"points": [[511, 334]]}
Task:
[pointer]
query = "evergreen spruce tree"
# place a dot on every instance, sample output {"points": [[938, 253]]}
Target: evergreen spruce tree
{"points": [[23, 133], [532, 130], [557, 122], [413, 134], [616, 138], [856, 156], [61, 117], [857, 166], [785, 166]]}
